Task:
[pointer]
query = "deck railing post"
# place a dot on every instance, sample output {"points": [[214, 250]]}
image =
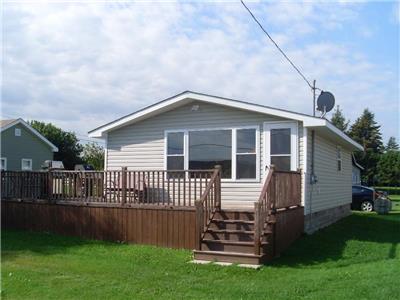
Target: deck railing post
{"points": [[257, 233], [123, 185], [218, 187], [199, 223], [50, 185]]}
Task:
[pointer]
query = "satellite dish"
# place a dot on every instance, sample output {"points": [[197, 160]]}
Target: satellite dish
{"points": [[325, 102]]}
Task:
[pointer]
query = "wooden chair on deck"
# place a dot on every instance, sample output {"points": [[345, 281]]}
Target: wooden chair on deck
{"points": [[136, 188]]}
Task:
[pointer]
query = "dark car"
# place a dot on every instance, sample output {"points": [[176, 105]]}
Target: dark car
{"points": [[363, 198]]}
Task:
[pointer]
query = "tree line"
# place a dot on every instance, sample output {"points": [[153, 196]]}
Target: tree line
{"points": [[381, 162], [70, 151]]}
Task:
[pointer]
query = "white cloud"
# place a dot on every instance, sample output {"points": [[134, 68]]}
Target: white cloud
{"points": [[80, 66]]}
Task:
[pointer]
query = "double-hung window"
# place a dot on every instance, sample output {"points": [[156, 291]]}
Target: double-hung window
{"points": [[281, 145], [175, 151], [3, 166], [26, 164], [246, 153], [236, 150], [339, 158]]}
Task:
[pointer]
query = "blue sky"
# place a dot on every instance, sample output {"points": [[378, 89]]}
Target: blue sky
{"points": [[81, 65]]}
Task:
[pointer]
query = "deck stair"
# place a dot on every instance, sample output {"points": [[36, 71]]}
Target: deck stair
{"points": [[230, 238]]}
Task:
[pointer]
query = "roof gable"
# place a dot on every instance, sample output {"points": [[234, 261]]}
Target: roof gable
{"points": [[6, 124], [188, 96]]}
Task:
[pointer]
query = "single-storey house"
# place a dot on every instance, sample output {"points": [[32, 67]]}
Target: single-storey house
{"points": [[356, 171], [197, 131], [22, 147]]}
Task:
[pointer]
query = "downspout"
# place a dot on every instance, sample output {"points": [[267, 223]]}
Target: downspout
{"points": [[313, 177]]}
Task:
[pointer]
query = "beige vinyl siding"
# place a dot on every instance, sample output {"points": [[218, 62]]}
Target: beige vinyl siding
{"points": [[140, 146], [333, 187]]}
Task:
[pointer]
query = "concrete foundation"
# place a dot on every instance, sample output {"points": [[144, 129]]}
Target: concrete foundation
{"points": [[324, 218]]}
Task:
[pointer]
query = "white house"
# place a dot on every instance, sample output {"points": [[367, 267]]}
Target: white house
{"points": [[196, 131]]}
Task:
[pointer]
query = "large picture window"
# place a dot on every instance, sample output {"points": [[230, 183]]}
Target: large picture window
{"points": [[208, 148], [236, 150]]}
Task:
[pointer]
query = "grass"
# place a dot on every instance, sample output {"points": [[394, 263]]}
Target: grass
{"points": [[357, 258]]}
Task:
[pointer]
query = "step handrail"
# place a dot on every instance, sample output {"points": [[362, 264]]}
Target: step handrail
{"points": [[263, 208], [207, 205]]}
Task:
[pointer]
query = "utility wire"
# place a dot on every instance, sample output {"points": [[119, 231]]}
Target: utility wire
{"points": [[276, 45]]}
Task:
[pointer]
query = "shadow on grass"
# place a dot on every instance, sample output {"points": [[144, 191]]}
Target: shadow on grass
{"points": [[16, 242], [359, 238]]}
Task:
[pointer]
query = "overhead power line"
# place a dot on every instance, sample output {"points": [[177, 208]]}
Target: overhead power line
{"points": [[277, 46]]}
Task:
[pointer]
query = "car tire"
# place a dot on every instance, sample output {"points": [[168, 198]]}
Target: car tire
{"points": [[367, 206]]}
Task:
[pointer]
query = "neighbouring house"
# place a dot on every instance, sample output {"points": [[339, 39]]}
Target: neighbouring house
{"points": [[356, 171], [197, 131], [22, 147]]}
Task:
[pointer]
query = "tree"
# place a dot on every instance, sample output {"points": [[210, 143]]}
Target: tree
{"points": [[392, 144], [389, 169], [94, 155], [366, 132], [69, 149], [338, 119]]}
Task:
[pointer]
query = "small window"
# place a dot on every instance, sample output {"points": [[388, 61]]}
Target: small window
{"points": [[175, 151], [26, 164], [3, 164], [339, 159], [17, 131], [280, 148], [246, 157]]}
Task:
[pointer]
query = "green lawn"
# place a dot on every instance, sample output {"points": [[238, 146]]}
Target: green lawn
{"points": [[357, 258]]}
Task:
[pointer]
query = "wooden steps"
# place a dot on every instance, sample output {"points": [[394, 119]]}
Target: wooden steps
{"points": [[230, 257], [230, 238]]}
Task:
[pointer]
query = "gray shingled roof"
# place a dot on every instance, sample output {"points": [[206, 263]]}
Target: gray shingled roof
{"points": [[4, 123]]}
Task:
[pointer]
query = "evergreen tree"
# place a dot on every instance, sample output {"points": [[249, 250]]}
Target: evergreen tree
{"points": [[389, 169], [338, 119], [366, 132], [392, 144]]}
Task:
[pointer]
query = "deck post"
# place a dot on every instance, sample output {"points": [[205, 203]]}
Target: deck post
{"points": [[50, 185], [199, 223], [218, 187], [257, 234], [123, 185]]}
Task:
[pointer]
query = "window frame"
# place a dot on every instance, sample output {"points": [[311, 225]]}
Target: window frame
{"points": [[294, 142], [17, 129], [233, 154], [22, 164], [5, 163], [339, 159]]}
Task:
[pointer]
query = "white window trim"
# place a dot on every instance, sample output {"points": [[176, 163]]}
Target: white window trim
{"points": [[234, 131], [22, 164], [5, 163], [17, 129], [294, 141], [339, 151]]}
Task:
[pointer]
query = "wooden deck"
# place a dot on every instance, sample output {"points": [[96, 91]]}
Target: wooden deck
{"points": [[177, 209]]}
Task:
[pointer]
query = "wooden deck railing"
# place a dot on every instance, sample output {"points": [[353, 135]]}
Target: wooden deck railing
{"points": [[207, 205], [120, 187], [281, 190]]}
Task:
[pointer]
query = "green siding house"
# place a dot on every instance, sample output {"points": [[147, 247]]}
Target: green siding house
{"points": [[22, 147]]}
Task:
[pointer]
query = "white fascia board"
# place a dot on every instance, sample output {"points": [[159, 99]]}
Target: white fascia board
{"points": [[33, 130], [337, 132], [189, 96]]}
